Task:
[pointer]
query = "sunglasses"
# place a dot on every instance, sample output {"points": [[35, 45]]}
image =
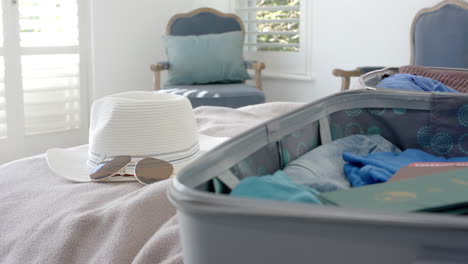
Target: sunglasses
{"points": [[147, 170]]}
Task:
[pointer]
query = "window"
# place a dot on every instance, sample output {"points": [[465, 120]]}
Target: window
{"points": [[43, 99], [271, 25], [275, 34]]}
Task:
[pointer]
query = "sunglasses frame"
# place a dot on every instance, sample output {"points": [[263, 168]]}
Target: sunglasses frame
{"points": [[121, 171]]}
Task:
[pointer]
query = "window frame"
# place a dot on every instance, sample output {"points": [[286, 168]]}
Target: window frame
{"points": [[286, 64]]}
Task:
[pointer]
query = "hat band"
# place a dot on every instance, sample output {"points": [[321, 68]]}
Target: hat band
{"points": [[172, 157]]}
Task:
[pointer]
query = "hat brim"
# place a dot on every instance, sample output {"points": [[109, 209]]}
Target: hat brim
{"points": [[71, 163]]}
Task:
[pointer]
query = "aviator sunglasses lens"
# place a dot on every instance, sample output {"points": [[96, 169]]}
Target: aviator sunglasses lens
{"points": [[109, 167], [150, 170]]}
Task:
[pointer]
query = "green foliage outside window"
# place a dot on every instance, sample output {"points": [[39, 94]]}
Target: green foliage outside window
{"points": [[282, 27]]}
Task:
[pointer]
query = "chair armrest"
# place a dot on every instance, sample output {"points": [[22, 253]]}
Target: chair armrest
{"points": [[157, 68], [257, 67], [345, 75], [160, 66]]}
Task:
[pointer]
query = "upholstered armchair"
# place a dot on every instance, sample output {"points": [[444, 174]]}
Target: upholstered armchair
{"points": [[439, 38], [215, 39]]}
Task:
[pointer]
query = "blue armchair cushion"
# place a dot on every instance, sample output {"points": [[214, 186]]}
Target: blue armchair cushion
{"points": [[205, 59], [228, 95]]}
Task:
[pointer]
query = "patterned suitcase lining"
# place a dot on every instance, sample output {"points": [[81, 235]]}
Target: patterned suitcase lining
{"points": [[443, 132]]}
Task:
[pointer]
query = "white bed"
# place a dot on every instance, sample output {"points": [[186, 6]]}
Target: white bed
{"points": [[47, 219]]}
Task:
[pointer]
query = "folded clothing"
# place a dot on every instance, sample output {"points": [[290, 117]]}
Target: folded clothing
{"points": [[322, 167], [275, 187], [411, 82], [379, 167], [455, 79]]}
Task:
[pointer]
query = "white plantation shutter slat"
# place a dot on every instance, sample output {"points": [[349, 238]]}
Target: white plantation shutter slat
{"points": [[290, 33], [271, 45], [52, 89], [49, 50], [268, 8], [54, 99], [47, 84], [271, 21], [50, 125]]}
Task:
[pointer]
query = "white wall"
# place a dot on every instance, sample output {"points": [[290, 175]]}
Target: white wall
{"points": [[126, 39], [346, 34]]}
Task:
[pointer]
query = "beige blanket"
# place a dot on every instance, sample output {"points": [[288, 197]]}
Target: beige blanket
{"points": [[46, 219]]}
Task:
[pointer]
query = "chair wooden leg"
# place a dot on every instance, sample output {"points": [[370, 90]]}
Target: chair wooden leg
{"points": [[157, 80], [258, 80], [156, 68], [345, 83]]}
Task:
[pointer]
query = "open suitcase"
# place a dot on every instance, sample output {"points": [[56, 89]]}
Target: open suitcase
{"points": [[217, 228]]}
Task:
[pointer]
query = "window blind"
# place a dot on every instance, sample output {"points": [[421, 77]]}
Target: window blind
{"points": [[49, 39], [271, 25]]}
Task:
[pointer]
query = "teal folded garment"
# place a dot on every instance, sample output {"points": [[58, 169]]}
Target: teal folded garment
{"points": [[275, 187], [206, 58]]}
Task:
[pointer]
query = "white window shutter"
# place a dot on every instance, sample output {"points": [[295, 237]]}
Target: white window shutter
{"points": [[50, 65], [270, 25], [43, 93]]}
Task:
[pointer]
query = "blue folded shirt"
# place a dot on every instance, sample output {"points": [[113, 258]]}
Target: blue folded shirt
{"points": [[404, 81], [379, 167]]}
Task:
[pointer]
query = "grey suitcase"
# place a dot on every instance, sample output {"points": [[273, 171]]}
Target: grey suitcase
{"points": [[217, 228]]}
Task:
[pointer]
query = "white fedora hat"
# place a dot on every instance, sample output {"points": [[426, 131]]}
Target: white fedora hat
{"points": [[137, 124]]}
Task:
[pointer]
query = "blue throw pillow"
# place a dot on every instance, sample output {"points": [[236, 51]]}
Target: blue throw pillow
{"points": [[206, 58]]}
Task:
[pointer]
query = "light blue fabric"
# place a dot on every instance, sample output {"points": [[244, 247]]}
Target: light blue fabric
{"points": [[205, 58], [275, 187], [322, 167], [404, 81], [227, 95], [379, 167]]}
